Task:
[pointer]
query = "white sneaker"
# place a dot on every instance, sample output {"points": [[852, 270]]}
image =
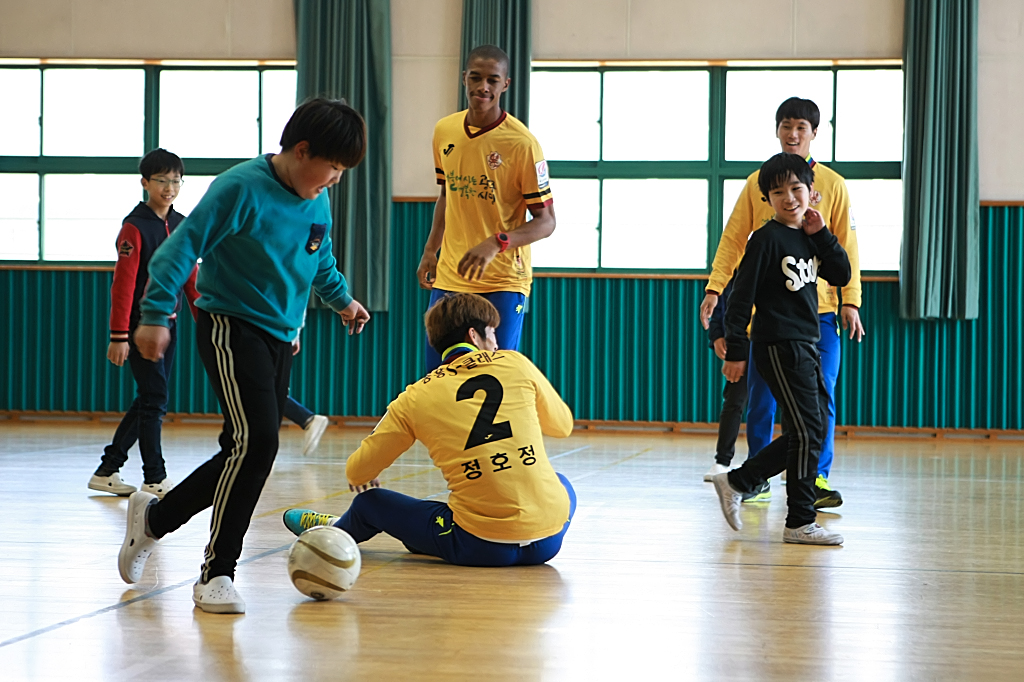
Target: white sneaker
{"points": [[729, 499], [314, 431], [218, 596], [715, 469], [811, 534], [111, 484], [137, 546], [159, 489]]}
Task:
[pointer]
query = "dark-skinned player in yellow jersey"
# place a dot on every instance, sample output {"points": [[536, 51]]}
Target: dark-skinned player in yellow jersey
{"points": [[491, 170]]}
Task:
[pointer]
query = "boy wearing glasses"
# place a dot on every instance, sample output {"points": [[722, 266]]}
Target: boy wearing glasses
{"points": [[145, 229]]}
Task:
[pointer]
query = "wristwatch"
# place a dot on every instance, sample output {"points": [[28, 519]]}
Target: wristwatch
{"points": [[502, 242]]}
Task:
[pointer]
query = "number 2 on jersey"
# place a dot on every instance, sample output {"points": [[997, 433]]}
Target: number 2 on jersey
{"points": [[484, 429]]}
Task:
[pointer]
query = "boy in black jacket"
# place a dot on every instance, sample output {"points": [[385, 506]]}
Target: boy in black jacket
{"points": [[143, 230], [778, 274]]}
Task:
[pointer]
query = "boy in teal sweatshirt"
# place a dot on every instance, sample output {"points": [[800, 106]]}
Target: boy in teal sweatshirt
{"points": [[263, 233]]}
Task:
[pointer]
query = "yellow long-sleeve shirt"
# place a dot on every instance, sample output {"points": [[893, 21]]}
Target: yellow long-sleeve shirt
{"points": [[752, 212], [481, 418]]}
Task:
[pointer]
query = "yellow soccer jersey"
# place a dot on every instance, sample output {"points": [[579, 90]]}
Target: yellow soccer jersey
{"points": [[490, 176], [481, 418], [752, 212]]}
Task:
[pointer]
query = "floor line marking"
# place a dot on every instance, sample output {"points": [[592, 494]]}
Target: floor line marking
{"points": [[128, 602], [270, 552]]}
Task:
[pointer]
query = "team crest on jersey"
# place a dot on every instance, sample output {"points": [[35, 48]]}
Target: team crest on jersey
{"points": [[316, 237], [815, 198], [448, 149], [125, 248], [493, 160], [542, 175]]}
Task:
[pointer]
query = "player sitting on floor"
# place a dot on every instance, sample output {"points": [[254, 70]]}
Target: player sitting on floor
{"points": [[481, 416]]}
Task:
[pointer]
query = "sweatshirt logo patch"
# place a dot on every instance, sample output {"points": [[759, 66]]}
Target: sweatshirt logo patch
{"points": [[316, 237], [125, 249]]}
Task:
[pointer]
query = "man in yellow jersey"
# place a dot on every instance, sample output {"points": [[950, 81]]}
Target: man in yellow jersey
{"points": [[491, 171], [482, 416], [796, 124]]}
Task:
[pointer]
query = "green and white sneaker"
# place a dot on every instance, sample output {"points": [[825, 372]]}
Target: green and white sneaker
{"points": [[826, 496], [300, 520], [762, 493]]}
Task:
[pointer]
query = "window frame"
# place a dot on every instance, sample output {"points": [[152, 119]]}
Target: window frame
{"points": [[716, 169], [41, 165]]}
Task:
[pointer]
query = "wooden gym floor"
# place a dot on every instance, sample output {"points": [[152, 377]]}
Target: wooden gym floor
{"points": [[650, 585]]}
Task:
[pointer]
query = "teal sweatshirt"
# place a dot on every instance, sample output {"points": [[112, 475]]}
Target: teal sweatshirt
{"points": [[262, 247]]}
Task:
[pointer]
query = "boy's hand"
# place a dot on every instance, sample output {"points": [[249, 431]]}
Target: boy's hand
{"points": [[850, 317], [375, 483], [720, 348], [152, 340], [426, 273], [707, 307], [813, 222], [296, 346], [477, 259], [734, 370], [354, 317], [117, 352]]}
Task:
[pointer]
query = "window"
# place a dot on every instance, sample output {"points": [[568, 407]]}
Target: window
{"points": [[84, 214], [192, 190], [19, 206], [648, 163], [19, 115], [73, 137], [210, 114], [93, 112]]}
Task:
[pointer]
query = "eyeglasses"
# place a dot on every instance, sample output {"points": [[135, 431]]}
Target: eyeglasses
{"points": [[166, 183]]}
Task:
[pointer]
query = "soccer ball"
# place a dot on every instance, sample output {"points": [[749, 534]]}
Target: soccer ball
{"points": [[324, 562]]}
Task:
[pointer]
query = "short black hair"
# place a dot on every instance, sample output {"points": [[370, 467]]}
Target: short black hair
{"points": [[334, 130], [160, 161], [777, 170], [797, 108], [489, 52]]}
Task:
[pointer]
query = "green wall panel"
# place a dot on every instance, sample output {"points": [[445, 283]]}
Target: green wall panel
{"points": [[618, 349]]}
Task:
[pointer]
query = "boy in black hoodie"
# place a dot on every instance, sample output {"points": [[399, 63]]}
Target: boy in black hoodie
{"points": [[778, 274], [145, 228]]}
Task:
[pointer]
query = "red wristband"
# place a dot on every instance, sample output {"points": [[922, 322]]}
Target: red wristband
{"points": [[502, 242]]}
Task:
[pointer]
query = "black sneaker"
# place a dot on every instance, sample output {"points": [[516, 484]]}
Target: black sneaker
{"points": [[761, 493], [826, 497]]}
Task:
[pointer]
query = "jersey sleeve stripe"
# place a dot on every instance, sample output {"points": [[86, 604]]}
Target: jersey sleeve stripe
{"points": [[538, 204], [538, 195]]}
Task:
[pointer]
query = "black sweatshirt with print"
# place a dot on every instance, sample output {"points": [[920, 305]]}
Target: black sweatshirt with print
{"points": [[779, 274]]}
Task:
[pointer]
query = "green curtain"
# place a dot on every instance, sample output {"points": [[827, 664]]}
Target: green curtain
{"points": [[505, 23], [344, 51], [940, 261]]}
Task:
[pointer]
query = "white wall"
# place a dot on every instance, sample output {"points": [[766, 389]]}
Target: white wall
{"points": [[1001, 99], [717, 29], [426, 40], [425, 44], [147, 29]]}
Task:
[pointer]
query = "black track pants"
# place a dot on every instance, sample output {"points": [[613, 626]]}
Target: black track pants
{"points": [[792, 370], [249, 370]]}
